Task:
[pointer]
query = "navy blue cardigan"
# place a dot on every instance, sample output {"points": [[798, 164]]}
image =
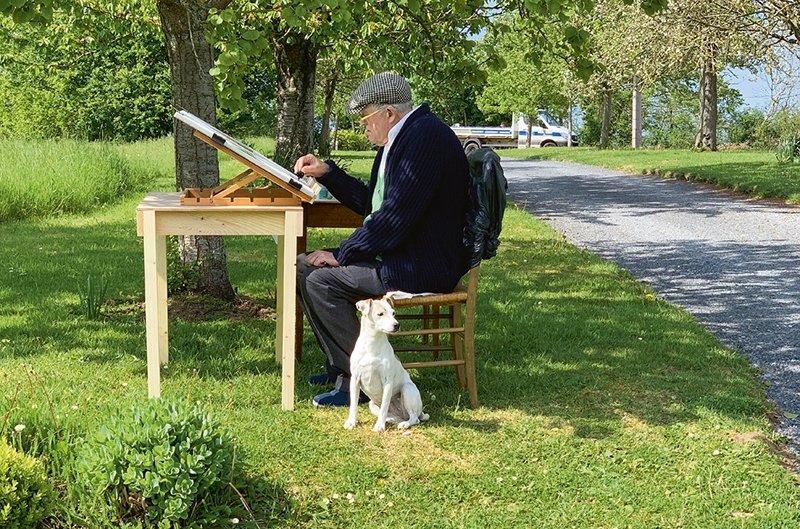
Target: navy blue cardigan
{"points": [[418, 230]]}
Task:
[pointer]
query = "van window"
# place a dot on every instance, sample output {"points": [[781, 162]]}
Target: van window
{"points": [[547, 118]]}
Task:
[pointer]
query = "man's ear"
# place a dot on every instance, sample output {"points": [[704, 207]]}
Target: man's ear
{"points": [[364, 305]]}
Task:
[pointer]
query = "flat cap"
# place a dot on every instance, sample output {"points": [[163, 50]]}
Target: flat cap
{"points": [[385, 88]]}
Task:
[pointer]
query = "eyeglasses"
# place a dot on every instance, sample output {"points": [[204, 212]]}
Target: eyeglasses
{"points": [[363, 119]]}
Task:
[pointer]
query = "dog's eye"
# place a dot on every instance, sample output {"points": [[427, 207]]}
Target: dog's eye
{"points": [[380, 314]]}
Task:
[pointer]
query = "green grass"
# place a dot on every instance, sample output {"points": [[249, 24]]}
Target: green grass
{"points": [[44, 178], [756, 173], [602, 406]]}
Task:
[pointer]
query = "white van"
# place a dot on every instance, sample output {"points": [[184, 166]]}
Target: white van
{"points": [[546, 132]]}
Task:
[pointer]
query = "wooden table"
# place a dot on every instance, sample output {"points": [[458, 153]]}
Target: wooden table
{"points": [[161, 214]]}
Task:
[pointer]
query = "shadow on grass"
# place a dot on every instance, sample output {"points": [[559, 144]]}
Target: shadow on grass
{"points": [[40, 313], [573, 340]]}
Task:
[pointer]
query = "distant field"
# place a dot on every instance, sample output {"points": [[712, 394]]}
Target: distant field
{"points": [[755, 173]]}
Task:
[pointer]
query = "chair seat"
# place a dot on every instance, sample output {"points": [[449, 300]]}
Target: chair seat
{"points": [[459, 295]]}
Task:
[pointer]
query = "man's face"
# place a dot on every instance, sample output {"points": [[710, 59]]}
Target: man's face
{"points": [[377, 121]]}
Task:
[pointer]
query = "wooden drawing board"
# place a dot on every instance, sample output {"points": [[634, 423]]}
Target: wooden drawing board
{"points": [[291, 189]]}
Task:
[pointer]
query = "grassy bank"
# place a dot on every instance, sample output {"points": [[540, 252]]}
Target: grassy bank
{"points": [[756, 173], [602, 405]]}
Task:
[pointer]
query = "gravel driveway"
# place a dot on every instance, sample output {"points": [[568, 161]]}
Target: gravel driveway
{"points": [[733, 263]]}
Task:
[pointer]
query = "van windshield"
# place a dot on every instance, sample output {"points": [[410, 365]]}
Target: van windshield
{"points": [[547, 118]]}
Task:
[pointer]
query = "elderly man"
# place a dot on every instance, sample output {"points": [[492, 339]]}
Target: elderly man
{"points": [[411, 239]]}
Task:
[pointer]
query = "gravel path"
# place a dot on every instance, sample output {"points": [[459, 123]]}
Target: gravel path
{"points": [[733, 263]]}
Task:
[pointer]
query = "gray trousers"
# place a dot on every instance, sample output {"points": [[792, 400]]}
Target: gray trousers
{"points": [[328, 297]]}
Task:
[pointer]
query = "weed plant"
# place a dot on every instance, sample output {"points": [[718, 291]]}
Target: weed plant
{"points": [[167, 463], [26, 496], [92, 294], [789, 149]]}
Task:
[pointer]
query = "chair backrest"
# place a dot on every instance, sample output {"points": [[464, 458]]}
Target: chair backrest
{"points": [[487, 204]]}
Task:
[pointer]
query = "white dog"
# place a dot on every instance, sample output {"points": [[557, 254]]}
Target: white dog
{"points": [[375, 370]]}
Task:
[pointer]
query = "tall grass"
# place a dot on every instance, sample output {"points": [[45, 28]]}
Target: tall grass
{"points": [[46, 178]]}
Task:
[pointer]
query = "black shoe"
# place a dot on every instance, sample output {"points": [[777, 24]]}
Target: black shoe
{"points": [[321, 380], [337, 398]]}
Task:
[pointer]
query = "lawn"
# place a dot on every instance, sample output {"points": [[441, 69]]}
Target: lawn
{"points": [[755, 173], [602, 406]]}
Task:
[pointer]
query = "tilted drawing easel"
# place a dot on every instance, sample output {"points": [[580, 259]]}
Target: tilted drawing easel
{"points": [[290, 190]]}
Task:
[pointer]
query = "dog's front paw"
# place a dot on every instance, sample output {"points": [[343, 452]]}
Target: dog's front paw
{"points": [[349, 424], [405, 425], [379, 427]]}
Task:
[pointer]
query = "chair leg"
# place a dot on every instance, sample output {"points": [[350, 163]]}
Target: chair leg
{"points": [[425, 322], [435, 323], [458, 346], [469, 362]]}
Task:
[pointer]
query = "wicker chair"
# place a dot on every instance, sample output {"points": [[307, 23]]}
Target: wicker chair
{"points": [[456, 310]]}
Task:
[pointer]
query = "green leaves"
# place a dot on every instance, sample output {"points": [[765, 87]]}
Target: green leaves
{"points": [[161, 460], [652, 7], [26, 495], [30, 11]]}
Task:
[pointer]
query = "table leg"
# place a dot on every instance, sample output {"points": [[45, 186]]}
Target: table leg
{"points": [[298, 312], [155, 300], [286, 301]]}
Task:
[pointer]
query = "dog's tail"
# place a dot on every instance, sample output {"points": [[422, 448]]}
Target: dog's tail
{"points": [[424, 416]]}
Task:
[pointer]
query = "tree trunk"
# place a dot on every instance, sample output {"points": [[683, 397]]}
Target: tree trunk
{"points": [[196, 165], [530, 130], [336, 131], [605, 121], [636, 115], [296, 63], [707, 134], [569, 123], [325, 131]]}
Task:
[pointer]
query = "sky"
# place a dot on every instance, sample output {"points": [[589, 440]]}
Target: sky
{"points": [[755, 88]]}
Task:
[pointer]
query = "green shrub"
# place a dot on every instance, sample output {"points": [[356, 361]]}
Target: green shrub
{"points": [[81, 78], [350, 140], [164, 463], [26, 496], [744, 125], [789, 148]]}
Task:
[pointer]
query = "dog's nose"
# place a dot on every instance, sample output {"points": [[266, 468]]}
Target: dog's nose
{"points": [[396, 327]]}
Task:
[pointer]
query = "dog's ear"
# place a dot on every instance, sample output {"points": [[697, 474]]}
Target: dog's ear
{"points": [[389, 300], [364, 305]]}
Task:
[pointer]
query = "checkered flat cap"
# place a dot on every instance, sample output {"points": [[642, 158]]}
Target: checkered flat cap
{"points": [[385, 88]]}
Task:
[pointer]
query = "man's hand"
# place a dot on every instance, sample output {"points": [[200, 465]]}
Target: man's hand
{"points": [[321, 258], [311, 165]]}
